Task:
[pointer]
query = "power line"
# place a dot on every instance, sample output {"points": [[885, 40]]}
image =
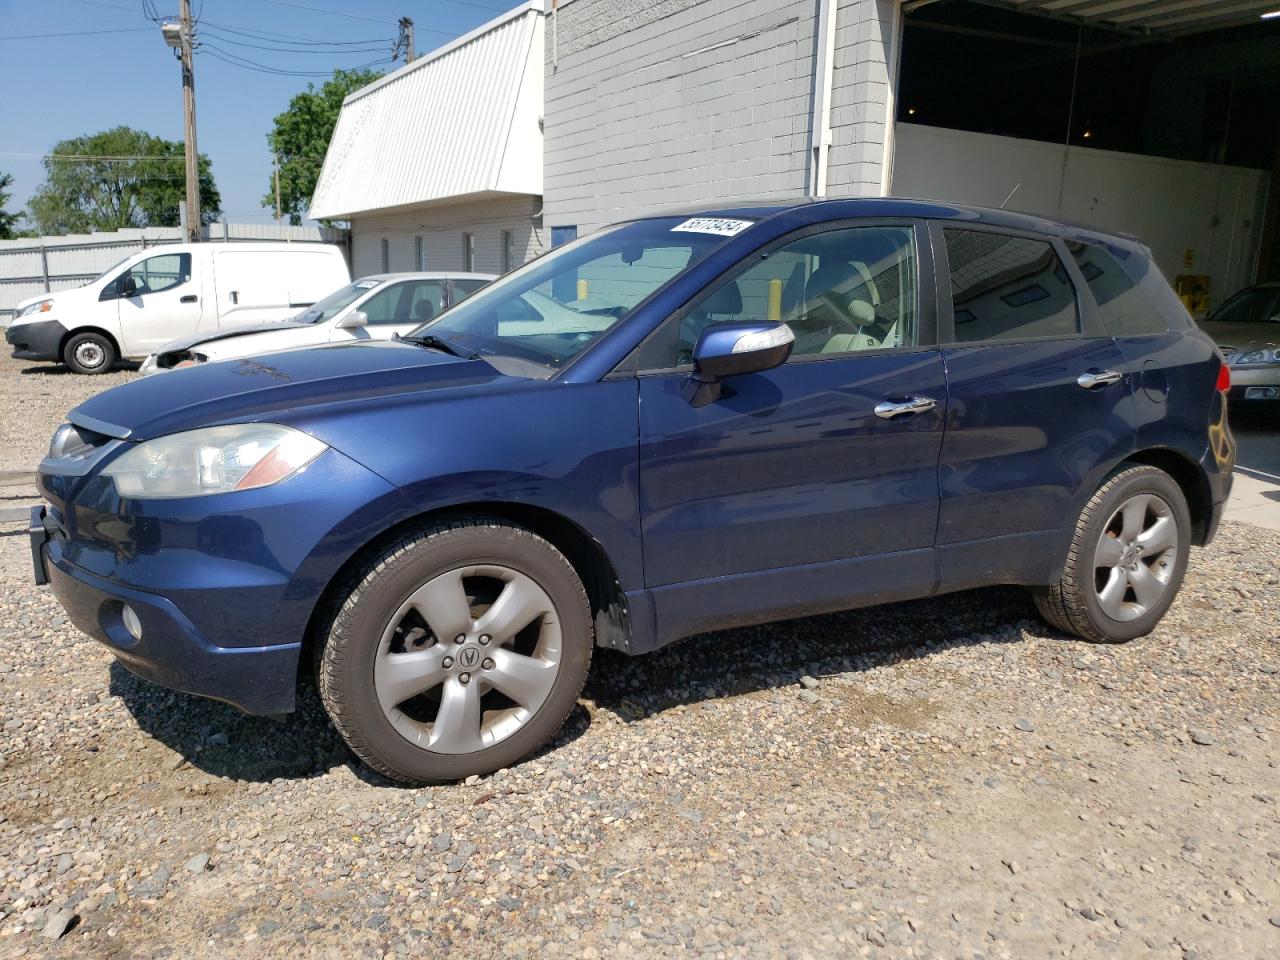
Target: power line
{"points": [[235, 60], [289, 38], [100, 3], [75, 33], [88, 157], [382, 47], [332, 13]]}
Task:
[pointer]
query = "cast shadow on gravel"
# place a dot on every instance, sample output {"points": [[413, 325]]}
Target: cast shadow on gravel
{"points": [[220, 740], [774, 655], [60, 370]]}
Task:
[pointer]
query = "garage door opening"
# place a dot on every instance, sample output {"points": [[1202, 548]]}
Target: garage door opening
{"points": [[1147, 116]]}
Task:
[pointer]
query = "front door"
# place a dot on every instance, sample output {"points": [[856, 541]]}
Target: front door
{"points": [[1039, 400], [791, 493], [165, 303], [397, 308]]}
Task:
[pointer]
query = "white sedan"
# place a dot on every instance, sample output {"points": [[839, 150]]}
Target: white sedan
{"points": [[372, 308]]}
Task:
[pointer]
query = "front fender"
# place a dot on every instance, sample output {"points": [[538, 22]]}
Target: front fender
{"points": [[570, 449]]}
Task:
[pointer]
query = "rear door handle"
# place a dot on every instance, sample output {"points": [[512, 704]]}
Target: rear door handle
{"points": [[189, 298], [891, 409], [1092, 379]]}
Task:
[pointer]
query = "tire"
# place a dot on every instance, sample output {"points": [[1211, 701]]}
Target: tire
{"points": [[89, 353], [1103, 602], [488, 701]]}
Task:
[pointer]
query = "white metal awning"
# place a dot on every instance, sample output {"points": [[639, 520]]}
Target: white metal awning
{"points": [[460, 121], [1155, 16]]}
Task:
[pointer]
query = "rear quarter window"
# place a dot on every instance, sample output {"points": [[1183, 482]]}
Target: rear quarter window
{"points": [[1124, 307]]}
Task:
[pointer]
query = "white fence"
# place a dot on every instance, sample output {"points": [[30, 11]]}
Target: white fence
{"points": [[33, 265]]}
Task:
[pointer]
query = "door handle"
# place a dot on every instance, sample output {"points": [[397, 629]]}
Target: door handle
{"points": [[891, 409], [189, 298], [1092, 379], [235, 296]]}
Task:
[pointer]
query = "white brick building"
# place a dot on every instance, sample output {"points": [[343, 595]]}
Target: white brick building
{"points": [[438, 165], [564, 115]]}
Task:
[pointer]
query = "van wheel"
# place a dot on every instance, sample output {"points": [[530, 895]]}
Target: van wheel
{"points": [[89, 353], [456, 651], [1126, 560]]}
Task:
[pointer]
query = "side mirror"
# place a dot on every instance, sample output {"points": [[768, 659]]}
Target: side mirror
{"points": [[733, 349], [128, 285], [354, 320]]}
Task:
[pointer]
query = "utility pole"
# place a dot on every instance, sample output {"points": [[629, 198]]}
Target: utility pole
{"points": [[275, 163], [189, 122], [406, 37]]}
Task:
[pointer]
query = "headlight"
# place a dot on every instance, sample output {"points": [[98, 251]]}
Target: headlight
{"points": [[1258, 356], [40, 306], [239, 456]]}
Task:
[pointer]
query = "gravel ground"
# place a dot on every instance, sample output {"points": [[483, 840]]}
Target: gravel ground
{"points": [[943, 778]]}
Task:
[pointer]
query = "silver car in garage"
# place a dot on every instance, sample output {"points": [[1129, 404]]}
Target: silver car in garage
{"points": [[1247, 330]]}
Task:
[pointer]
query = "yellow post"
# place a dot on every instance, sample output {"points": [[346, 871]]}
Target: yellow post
{"points": [[582, 289], [774, 311]]}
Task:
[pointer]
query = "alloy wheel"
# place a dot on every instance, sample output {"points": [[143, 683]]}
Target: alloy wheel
{"points": [[1135, 557], [468, 658]]}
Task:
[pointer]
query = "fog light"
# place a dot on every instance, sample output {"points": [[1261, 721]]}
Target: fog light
{"points": [[1261, 393], [131, 622]]}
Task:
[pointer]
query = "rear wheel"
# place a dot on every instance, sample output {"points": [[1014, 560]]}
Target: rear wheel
{"points": [[457, 651], [89, 353], [1126, 560]]}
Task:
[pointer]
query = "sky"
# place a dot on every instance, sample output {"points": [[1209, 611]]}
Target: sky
{"points": [[88, 79]]}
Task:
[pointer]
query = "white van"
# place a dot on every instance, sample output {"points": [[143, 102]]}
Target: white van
{"points": [[160, 294]]}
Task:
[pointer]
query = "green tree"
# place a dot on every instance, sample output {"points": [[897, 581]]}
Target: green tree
{"points": [[127, 178], [7, 220], [301, 135]]}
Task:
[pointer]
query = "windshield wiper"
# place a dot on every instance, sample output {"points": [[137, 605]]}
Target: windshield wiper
{"points": [[432, 342]]}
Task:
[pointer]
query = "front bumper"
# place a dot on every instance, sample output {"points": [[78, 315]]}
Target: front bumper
{"points": [[170, 650], [1255, 382], [39, 340]]}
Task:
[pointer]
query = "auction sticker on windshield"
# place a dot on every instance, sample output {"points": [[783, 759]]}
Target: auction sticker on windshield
{"points": [[717, 225]]}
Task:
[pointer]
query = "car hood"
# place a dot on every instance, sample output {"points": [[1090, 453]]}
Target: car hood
{"points": [[183, 344], [279, 387], [1234, 338], [64, 303]]}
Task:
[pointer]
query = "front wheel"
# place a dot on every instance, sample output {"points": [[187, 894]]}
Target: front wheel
{"points": [[457, 651], [1126, 560], [89, 353]]}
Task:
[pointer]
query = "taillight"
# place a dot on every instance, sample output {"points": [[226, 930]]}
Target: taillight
{"points": [[1224, 379]]}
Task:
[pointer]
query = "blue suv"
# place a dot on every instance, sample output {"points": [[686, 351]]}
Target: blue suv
{"points": [[677, 424]]}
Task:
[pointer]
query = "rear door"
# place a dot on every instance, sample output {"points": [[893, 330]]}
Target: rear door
{"points": [[166, 302], [1038, 398], [255, 286]]}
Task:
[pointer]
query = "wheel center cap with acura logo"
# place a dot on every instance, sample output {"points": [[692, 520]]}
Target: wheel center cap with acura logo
{"points": [[469, 657]]}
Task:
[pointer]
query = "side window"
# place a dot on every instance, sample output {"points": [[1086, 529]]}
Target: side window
{"points": [[381, 307], [420, 301], [1008, 288], [155, 274], [1251, 306], [842, 291], [1125, 309], [465, 288]]}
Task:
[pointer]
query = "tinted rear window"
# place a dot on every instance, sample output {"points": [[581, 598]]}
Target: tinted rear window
{"points": [[1125, 309], [1008, 288]]}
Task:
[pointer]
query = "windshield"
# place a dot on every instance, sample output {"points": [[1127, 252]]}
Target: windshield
{"points": [[113, 267], [551, 309], [1259, 305], [334, 303]]}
